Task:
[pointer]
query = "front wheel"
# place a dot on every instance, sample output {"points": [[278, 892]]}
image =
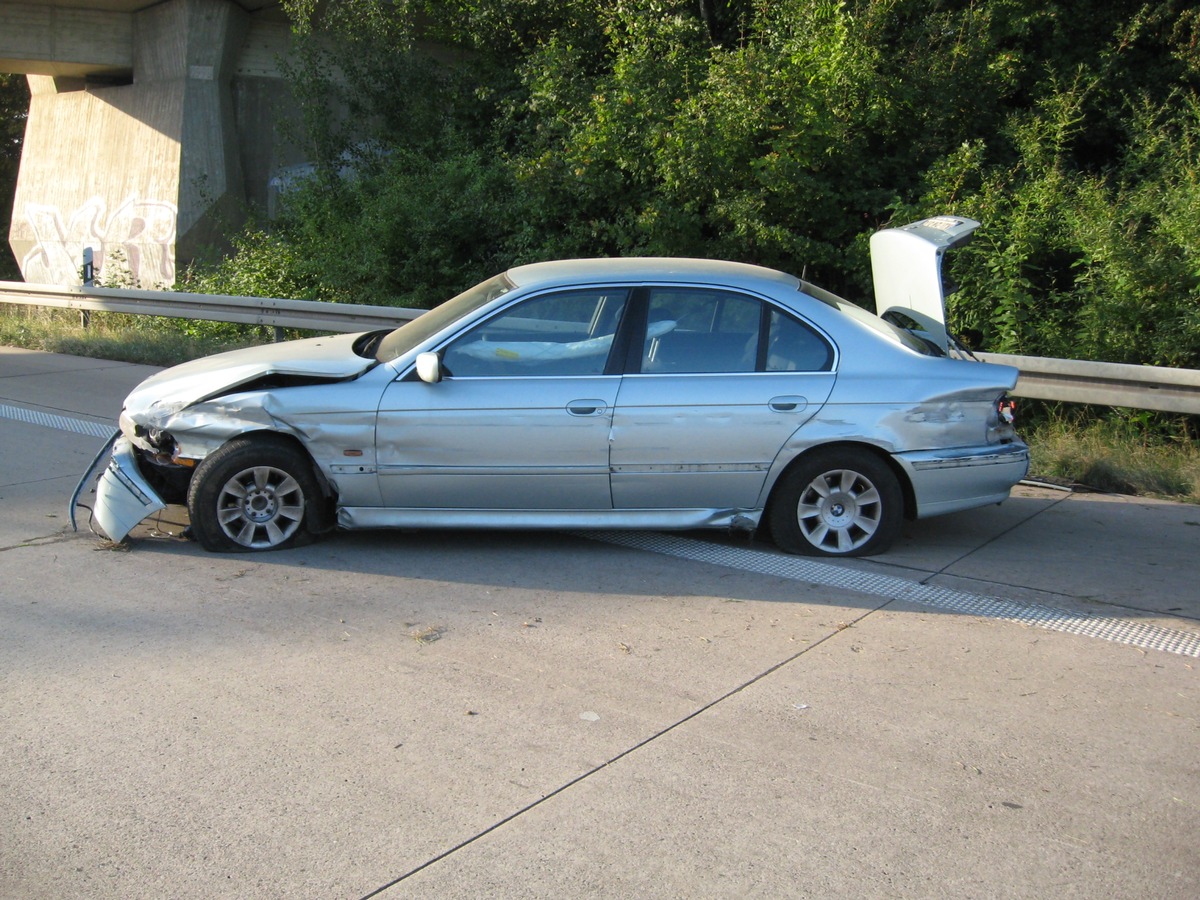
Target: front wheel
{"points": [[253, 494], [838, 502]]}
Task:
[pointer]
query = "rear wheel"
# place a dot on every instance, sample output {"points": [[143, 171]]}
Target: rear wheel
{"points": [[253, 494], [838, 502]]}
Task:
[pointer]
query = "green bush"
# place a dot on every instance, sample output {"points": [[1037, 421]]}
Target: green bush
{"points": [[782, 133]]}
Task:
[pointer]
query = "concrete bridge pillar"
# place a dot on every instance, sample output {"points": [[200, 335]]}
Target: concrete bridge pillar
{"points": [[142, 153]]}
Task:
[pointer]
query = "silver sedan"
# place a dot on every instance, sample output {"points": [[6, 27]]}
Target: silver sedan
{"points": [[603, 393]]}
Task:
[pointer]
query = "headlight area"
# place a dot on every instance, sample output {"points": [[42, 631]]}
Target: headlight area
{"points": [[167, 474], [147, 437], [156, 452]]}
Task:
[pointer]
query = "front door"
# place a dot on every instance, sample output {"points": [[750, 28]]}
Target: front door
{"points": [[521, 418]]}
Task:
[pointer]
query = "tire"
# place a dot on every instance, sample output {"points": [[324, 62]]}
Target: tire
{"points": [[253, 494], [837, 502]]}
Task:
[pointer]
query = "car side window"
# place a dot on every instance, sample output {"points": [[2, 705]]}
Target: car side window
{"points": [[565, 333], [695, 330], [794, 347]]}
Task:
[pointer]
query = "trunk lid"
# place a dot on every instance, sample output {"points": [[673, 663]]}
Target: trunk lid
{"points": [[906, 265]]}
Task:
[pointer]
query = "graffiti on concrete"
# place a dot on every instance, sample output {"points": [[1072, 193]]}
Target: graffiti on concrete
{"points": [[143, 230]]}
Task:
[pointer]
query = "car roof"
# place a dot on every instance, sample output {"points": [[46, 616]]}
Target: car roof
{"points": [[651, 269]]}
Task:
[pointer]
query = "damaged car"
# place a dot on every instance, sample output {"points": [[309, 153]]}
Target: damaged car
{"points": [[593, 393]]}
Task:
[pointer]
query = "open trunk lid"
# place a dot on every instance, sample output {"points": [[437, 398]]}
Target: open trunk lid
{"points": [[906, 265]]}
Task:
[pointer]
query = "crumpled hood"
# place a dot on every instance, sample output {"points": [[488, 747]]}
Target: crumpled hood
{"points": [[177, 388]]}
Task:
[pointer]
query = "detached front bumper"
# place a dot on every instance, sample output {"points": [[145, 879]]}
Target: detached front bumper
{"points": [[123, 496]]}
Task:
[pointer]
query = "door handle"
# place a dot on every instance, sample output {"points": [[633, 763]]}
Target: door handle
{"points": [[587, 407], [788, 404]]}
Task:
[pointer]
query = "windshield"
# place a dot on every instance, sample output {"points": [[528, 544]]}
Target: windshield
{"points": [[425, 326]]}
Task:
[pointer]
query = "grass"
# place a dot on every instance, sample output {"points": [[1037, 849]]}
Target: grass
{"points": [[1131, 453], [135, 339], [1116, 455]]}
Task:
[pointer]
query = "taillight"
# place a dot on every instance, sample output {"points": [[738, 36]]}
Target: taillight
{"points": [[1007, 408]]}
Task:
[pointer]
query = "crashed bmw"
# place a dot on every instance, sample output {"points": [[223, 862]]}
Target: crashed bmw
{"points": [[603, 393]]}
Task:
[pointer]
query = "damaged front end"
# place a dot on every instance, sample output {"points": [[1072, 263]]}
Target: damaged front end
{"points": [[148, 467], [176, 418]]}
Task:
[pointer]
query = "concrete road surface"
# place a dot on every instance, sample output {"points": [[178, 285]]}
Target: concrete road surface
{"points": [[1006, 705]]}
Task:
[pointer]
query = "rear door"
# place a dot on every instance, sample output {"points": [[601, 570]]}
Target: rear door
{"points": [[724, 379]]}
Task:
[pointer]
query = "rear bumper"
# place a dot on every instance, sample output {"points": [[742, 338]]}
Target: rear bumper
{"points": [[123, 496], [946, 481]]}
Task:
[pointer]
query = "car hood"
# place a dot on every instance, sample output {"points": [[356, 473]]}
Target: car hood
{"points": [[906, 266], [319, 359]]}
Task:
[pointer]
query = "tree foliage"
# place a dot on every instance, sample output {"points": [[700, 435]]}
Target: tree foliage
{"points": [[483, 133], [14, 109]]}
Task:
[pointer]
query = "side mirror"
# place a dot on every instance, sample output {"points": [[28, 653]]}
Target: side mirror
{"points": [[429, 367]]}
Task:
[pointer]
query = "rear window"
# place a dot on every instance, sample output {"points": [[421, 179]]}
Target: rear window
{"points": [[872, 321]]}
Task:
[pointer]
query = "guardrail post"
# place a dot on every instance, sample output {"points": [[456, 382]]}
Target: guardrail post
{"points": [[89, 280]]}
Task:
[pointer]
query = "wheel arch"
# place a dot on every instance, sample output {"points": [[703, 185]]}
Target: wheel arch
{"points": [[906, 488], [328, 512]]}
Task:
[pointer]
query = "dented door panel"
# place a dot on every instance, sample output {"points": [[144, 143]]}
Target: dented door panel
{"points": [[496, 443]]}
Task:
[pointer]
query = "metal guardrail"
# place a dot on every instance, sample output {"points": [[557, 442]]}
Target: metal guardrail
{"points": [[306, 314], [1105, 384]]}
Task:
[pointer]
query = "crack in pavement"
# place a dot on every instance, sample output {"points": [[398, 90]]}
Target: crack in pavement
{"points": [[45, 540], [624, 753]]}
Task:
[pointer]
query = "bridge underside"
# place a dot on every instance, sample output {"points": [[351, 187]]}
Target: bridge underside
{"points": [[152, 130]]}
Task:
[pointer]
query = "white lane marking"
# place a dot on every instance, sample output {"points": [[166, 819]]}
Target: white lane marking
{"points": [[62, 423], [1142, 635]]}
